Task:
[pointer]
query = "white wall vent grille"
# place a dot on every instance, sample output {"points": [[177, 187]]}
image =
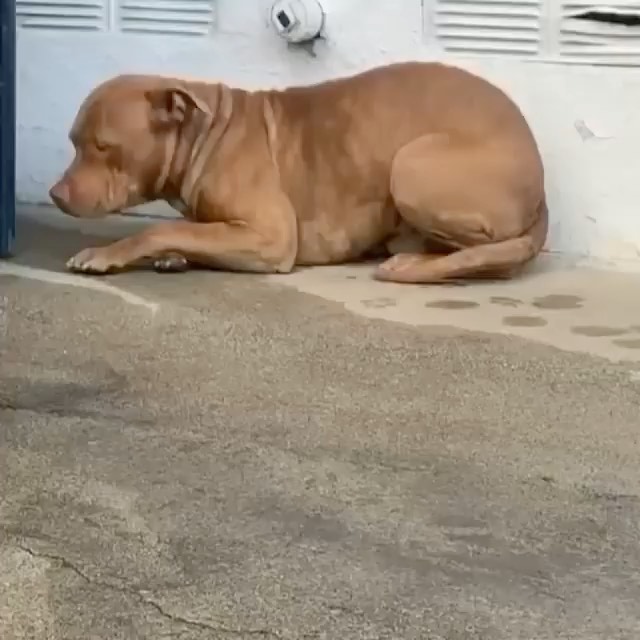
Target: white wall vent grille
{"points": [[598, 33], [73, 15], [173, 17], [503, 27]]}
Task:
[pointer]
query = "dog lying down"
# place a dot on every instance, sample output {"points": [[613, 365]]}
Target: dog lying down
{"points": [[316, 175]]}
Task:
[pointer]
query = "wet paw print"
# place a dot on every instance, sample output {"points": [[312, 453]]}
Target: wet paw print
{"points": [[597, 331], [505, 301], [524, 321], [452, 304], [379, 303], [558, 301], [627, 343]]}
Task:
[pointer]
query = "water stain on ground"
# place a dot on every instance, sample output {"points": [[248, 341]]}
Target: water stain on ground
{"points": [[628, 343], [595, 331], [524, 321], [452, 304], [505, 301], [558, 301], [67, 399], [379, 303]]}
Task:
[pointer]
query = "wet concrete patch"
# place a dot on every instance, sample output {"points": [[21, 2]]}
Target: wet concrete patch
{"points": [[45, 392], [595, 331], [558, 301], [546, 306], [452, 304], [524, 321]]}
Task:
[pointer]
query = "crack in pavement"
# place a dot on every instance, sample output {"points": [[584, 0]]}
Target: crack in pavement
{"points": [[174, 618]]}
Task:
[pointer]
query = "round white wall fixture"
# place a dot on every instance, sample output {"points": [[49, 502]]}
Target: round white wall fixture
{"points": [[297, 20]]}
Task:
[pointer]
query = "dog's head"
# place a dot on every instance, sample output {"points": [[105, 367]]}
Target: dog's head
{"points": [[120, 138]]}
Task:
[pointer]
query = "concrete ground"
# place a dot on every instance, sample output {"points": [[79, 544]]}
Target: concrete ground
{"points": [[207, 455]]}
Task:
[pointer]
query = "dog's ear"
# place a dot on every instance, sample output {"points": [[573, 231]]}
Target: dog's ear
{"points": [[170, 105]]}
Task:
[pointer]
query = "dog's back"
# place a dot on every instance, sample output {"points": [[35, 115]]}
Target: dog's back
{"points": [[399, 102], [340, 137]]}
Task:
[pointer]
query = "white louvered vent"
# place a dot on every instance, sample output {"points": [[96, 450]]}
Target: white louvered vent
{"points": [[73, 15], [178, 17], [504, 27], [599, 33]]}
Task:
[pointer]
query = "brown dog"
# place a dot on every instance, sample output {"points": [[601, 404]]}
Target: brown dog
{"points": [[313, 175]]}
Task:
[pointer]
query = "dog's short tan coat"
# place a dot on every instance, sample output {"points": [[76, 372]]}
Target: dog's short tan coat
{"points": [[313, 175]]}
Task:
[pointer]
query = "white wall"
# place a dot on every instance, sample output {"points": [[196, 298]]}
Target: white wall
{"points": [[586, 118]]}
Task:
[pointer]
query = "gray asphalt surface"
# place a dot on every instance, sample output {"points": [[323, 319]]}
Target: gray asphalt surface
{"points": [[254, 462]]}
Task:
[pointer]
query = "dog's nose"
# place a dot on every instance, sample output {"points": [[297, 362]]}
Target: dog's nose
{"points": [[59, 193]]}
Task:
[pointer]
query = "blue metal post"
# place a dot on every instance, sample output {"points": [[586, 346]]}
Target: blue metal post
{"points": [[7, 125]]}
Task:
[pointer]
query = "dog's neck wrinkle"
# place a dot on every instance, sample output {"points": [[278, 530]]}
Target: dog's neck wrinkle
{"points": [[271, 128], [196, 140], [179, 163]]}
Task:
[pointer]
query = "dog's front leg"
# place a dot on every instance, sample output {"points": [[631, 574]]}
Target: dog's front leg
{"points": [[234, 246]]}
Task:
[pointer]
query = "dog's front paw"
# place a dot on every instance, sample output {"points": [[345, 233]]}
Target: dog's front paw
{"points": [[95, 261]]}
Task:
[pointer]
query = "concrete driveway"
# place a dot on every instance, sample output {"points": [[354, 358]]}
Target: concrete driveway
{"points": [[204, 455]]}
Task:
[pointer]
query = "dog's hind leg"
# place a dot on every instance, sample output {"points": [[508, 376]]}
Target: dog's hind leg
{"points": [[481, 201], [499, 260]]}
